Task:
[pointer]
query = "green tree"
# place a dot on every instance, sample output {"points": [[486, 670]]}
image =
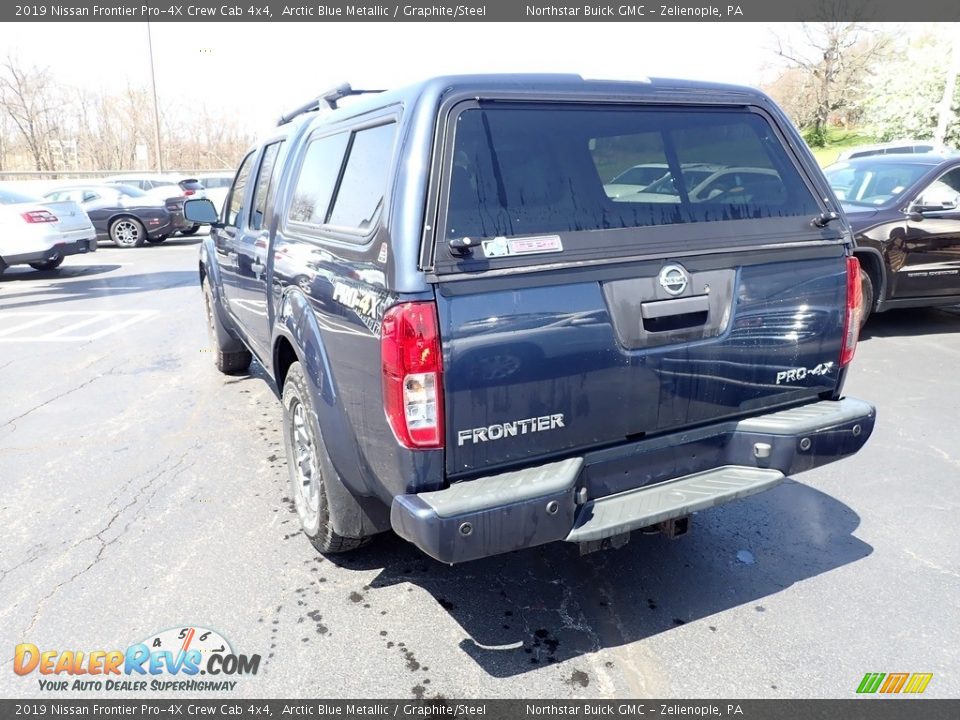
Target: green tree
{"points": [[905, 96]]}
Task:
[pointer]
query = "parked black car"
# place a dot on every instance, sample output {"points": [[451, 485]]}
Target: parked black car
{"points": [[172, 190], [904, 211], [120, 213]]}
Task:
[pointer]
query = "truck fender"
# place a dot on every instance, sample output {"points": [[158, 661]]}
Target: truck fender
{"points": [[876, 259], [353, 510], [224, 327]]}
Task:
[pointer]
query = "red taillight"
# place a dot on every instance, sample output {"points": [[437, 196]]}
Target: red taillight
{"points": [[412, 382], [851, 328], [188, 193], [39, 216]]}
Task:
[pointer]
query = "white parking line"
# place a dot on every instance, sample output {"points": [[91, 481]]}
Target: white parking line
{"points": [[70, 328], [43, 317], [144, 314], [61, 326]]}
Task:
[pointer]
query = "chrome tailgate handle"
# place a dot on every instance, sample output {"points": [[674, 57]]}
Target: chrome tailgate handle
{"points": [[679, 306]]}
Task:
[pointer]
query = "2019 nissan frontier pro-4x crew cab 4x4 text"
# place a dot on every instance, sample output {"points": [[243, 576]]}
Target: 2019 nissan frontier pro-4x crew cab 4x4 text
{"points": [[481, 348]]}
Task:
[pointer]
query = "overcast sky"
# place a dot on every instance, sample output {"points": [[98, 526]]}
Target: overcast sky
{"points": [[262, 69]]}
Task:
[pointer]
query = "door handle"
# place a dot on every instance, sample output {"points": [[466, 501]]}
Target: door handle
{"points": [[258, 268], [680, 306]]}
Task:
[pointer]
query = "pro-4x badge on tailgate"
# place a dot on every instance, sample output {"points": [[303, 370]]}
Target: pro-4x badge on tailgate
{"points": [[795, 374]]}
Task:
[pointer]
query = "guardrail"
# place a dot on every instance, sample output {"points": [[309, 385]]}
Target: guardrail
{"points": [[80, 174]]}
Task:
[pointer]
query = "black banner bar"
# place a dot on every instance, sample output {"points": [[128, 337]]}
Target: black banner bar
{"points": [[872, 708], [481, 11]]}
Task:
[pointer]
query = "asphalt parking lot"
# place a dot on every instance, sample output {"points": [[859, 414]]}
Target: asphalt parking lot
{"points": [[141, 491]]}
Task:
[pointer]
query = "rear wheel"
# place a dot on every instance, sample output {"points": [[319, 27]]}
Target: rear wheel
{"points": [[127, 232], [228, 361], [50, 264], [309, 467]]}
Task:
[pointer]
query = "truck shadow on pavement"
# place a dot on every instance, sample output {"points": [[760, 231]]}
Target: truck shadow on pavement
{"points": [[22, 273], [545, 605], [62, 286], [912, 322]]}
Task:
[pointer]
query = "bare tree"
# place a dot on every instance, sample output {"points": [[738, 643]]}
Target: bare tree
{"points": [[27, 98], [831, 64], [6, 130], [48, 127]]}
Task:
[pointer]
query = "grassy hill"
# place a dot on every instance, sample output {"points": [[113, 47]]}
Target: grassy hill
{"points": [[838, 140]]}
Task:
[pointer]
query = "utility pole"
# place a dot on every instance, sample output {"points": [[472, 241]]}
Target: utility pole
{"points": [[156, 107]]}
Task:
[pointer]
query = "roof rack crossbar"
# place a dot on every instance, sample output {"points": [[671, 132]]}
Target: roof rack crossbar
{"points": [[325, 99]]}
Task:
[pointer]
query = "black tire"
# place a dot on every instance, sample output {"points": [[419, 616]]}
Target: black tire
{"points": [[51, 264], [301, 435], [869, 299], [127, 232], [190, 230], [228, 359], [157, 240]]}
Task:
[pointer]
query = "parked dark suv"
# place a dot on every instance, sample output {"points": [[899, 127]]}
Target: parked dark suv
{"points": [[905, 214], [480, 348]]}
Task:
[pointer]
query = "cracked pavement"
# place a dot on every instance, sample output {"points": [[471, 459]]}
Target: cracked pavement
{"points": [[140, 490]]}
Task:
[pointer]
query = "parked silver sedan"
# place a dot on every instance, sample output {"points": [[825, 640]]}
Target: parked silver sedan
{"points": [[40, 233]]}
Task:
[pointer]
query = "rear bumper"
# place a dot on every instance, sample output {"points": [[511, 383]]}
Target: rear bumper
{"points": [[616, 490], [160, 224], [178, 221], [78, 247], [74, 247]]}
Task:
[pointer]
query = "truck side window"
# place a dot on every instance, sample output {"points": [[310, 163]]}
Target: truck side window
{"points": [[317, 179], [364, 182], [261, 189], [234, 202]]}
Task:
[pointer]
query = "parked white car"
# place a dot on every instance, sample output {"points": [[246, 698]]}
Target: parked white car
{"points": [[634, 179], [216, 185], [897, 147], [705, 182], [40, 233], [161, 186]]}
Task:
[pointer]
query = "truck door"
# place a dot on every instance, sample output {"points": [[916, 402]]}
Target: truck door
{"points": [[248, 292], [932, 245], [231, 217]]}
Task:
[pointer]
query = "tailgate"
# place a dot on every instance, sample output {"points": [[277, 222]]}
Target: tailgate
{"points": [[575, 314], [70, 216], [557, 367]]}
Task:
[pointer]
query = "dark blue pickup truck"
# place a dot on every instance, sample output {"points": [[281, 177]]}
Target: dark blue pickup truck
{"points": [[503, 311]]}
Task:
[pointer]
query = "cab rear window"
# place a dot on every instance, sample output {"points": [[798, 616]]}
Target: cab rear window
{"points": [[549, 170]]}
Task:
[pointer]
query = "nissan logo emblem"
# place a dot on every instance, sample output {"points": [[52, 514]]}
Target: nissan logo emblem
{"points": [[674, 279]]}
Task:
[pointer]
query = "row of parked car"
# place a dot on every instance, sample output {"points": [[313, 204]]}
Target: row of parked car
{"points": [[41, 229]]}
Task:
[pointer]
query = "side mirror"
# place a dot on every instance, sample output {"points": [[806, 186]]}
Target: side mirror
{"points": [[202, 211]]}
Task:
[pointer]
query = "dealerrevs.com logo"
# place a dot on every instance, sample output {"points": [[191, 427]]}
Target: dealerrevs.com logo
{"points": [[171, 660]]}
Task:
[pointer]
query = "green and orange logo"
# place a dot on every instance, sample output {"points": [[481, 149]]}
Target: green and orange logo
{"points": [[894, 683]]}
